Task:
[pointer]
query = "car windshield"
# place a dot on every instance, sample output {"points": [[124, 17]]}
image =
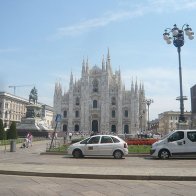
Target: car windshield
{"points": [[85, 141]]}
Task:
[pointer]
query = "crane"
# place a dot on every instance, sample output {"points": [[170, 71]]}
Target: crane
{"points": [[16, 86]]}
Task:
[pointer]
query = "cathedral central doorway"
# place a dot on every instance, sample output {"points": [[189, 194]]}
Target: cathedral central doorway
{"points": [[95, 126]]}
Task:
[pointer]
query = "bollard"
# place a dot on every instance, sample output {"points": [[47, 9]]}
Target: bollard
{"points": [[12, 146]]}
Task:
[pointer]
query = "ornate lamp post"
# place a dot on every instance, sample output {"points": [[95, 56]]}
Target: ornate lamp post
{"points": [[177, 36], [148, 102]]}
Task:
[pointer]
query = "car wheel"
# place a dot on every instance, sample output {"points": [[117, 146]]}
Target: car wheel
{"points": [[118, 154], [77, 153], [164, 154]]}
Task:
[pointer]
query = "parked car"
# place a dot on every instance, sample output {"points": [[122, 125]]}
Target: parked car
{"points": [[99, 145], [179, 142]]}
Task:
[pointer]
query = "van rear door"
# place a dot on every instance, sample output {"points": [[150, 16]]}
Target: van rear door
{"points": [[190, 145]]}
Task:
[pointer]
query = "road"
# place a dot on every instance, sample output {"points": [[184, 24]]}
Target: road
{"points": [[31, 160], [45, 186]]}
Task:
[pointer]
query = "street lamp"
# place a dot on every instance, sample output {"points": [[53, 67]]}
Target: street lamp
{"points": [[177, 35], [148, 102]]}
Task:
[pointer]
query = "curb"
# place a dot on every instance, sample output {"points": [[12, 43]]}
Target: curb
{"points": [[96, 176]]}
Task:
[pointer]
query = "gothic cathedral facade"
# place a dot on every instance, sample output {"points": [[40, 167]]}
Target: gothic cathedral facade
{"points": [[99, 103]]}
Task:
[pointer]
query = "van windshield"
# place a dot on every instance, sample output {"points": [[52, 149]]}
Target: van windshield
{"points": [[167, 135]]}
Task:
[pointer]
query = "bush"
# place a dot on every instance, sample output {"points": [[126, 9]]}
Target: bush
{"points": [[2, 131], [11, 132]]}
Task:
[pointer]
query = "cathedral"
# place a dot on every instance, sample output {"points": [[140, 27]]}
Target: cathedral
{"points": [[99, 103]]}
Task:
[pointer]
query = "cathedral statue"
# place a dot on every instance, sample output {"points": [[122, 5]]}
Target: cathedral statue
{"points": [[33, 96]]}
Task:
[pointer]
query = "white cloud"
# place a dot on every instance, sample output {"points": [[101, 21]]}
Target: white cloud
{"points": [[140, 9]]}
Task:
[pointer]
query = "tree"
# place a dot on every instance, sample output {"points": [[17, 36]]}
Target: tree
{"points": [[2, 131], [12, 133]]}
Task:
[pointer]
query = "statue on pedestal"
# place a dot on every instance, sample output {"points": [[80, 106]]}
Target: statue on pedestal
{"points": [[33, 96]]}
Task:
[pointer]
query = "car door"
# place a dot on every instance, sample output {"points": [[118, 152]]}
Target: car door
{"points": [[176, 143], [106, 146], [92, 146]]}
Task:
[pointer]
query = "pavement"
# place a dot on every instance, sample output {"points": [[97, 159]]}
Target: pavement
{"points": [[33, 162]]}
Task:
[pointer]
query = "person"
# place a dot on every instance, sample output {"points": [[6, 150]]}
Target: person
{"points": [[70, 135], [29, 139]]}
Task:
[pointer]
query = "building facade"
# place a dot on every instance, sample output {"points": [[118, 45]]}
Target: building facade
{"points": [[193, 106], [168, 121], [98, 102]]}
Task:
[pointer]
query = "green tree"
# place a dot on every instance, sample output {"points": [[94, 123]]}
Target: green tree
{"points": [[11, 132], [2, 131]]}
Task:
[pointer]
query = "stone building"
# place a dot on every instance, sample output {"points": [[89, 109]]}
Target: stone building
{"points": [[98, 102], [168, 121], [193, 106]]}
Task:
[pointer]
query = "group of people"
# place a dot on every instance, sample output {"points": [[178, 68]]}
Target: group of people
{"points": [[27, 141]]}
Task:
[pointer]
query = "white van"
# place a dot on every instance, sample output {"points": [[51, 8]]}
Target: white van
{"points": [[179, 142]]}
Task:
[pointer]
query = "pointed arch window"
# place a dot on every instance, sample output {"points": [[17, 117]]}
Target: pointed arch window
{"points": [[65, 114], [113, 101], [95, 85], [113, 113], [126, 129], [94, 103], [76, 128], [126, 113], [77, 101], [77, 114], [113, 128], [64, 128]]}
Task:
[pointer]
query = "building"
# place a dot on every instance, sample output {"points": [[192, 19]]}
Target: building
{"points": [[193, 106], [13, 108], [168, 121], [99, 103]]}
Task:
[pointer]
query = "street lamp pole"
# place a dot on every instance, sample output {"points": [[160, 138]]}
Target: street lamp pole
{"points": [[148, 102], [178, 41]]}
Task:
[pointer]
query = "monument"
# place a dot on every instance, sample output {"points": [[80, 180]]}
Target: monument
{"points": [[33, 121]]}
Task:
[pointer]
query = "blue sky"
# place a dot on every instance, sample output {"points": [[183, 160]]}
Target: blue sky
{"points": [[42, 41]]}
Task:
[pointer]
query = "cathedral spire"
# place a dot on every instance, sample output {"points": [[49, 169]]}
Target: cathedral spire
{"points": [[87, 66], [108, 63], [136, 87], [71, 80], [83, 66], [103, 64]]}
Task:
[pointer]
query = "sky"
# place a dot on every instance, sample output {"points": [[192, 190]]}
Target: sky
{"points": [[43, 41]]}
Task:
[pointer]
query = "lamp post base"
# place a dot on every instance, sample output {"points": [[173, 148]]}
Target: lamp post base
{"points": [[182, 126]]}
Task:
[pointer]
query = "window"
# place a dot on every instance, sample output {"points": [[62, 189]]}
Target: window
{"points": [[65, 128], [113, 128], [115, 140], [191, 136], [77, 101], [126, 113], [176, 136], [76, 128], [94, 140], [85, 141], [106, 139], [65, 114], [126, 129], [95, 86], [113, 113], [113, 101], [77, 114], [94, 103]]}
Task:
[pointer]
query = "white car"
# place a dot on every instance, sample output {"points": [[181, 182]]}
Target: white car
{"points": [[99, 145]]}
